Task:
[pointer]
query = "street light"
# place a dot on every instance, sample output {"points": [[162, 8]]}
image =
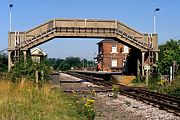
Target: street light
{"points": [[155, 10], [10, 8]]}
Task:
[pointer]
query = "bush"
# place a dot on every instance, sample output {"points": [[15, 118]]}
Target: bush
{"points": [[138, 80], [27, 70]]}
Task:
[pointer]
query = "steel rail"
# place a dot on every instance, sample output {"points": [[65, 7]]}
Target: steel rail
{"points": [[162, 100]]}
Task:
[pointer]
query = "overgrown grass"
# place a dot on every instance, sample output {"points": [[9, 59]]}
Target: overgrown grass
{"points": [[161, 86], [166, 88], [23, 101]]}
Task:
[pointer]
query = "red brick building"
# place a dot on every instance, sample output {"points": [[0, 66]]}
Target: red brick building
{"points": [[112, 55]]}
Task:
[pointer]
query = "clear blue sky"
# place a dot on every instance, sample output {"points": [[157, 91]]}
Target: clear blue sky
{"points": [[137, 14]]}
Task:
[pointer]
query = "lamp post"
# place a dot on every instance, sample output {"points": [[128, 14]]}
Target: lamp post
{"points": [[10, 8], [155, 10]]}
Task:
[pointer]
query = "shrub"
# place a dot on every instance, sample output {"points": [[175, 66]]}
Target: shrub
{"points": [[138, 80]]}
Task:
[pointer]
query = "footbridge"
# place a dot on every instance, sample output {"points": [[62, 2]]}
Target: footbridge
{"points": [[146, 44]]}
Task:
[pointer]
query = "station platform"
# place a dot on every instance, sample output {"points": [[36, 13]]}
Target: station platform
{"points": [[100, 74]]}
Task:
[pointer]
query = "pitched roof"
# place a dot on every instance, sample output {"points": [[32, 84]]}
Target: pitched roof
{"points": [[38, 52], [107, 40]]}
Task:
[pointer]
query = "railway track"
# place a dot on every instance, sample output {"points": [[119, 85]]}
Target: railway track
{"points": [[166, 102]]}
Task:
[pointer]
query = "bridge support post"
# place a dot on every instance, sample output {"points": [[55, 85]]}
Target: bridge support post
{"points": [[142, 64], [138, 70], [9, 61]]}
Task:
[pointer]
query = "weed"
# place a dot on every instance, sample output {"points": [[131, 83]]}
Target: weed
{"points": [[115, 90], [138, 80], [128, 103], [85, 104]]}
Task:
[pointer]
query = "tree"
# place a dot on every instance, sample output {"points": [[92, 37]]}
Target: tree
{"points": [[27, 70], [64, 66], [169, 52], [3, 62], [54, 62], [69, 62]]}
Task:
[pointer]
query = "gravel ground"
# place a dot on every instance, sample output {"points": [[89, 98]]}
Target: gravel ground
{"points": [[121, 108], [125, 108]]}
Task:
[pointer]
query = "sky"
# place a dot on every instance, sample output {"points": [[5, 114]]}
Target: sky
{"points": [[137, 14]]}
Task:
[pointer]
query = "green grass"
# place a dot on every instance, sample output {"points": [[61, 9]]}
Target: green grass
{"points": [[23, 101]]}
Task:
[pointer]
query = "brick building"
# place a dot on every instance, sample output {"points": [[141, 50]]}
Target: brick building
{"points": [[112, 55]]}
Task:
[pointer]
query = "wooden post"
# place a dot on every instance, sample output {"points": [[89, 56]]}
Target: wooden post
{"points": [[147, 77], [147, 68], [170, 75], [9, 61], [42, 75], [138, 70], [25, 56], [37, 78], [156, 56], [142, 64]]}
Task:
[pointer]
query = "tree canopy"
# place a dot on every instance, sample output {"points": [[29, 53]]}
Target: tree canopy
{"points": [[169, 52], [68, 63], [3, 62]]}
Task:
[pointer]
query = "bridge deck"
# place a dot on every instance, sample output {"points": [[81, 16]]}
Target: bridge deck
{"points": [[81, 28]]}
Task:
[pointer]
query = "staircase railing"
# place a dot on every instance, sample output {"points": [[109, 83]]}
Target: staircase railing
{"points": [[84, 30]]}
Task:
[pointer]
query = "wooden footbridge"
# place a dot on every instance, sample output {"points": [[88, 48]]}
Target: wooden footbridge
{"points": [[145, 44]]}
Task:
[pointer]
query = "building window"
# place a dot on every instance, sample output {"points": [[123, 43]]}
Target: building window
{"points": [[126, 49], [114, 48], [114, 63], [36, 59]]}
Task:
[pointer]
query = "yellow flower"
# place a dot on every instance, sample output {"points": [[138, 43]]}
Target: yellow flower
{"points": [[161, 82], [90, 102], [87, 105], [93, 92]]}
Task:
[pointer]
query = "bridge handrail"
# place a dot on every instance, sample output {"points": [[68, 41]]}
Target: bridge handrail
{"points": [[39, 26], [85, 30], [42, 34], [127, 27]]}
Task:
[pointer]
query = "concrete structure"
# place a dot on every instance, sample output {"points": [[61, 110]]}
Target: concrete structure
{"points": [[112, 55], [145, 45]]}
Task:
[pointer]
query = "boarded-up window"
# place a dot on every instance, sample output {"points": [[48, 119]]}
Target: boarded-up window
{"points": [[114, 63]]}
